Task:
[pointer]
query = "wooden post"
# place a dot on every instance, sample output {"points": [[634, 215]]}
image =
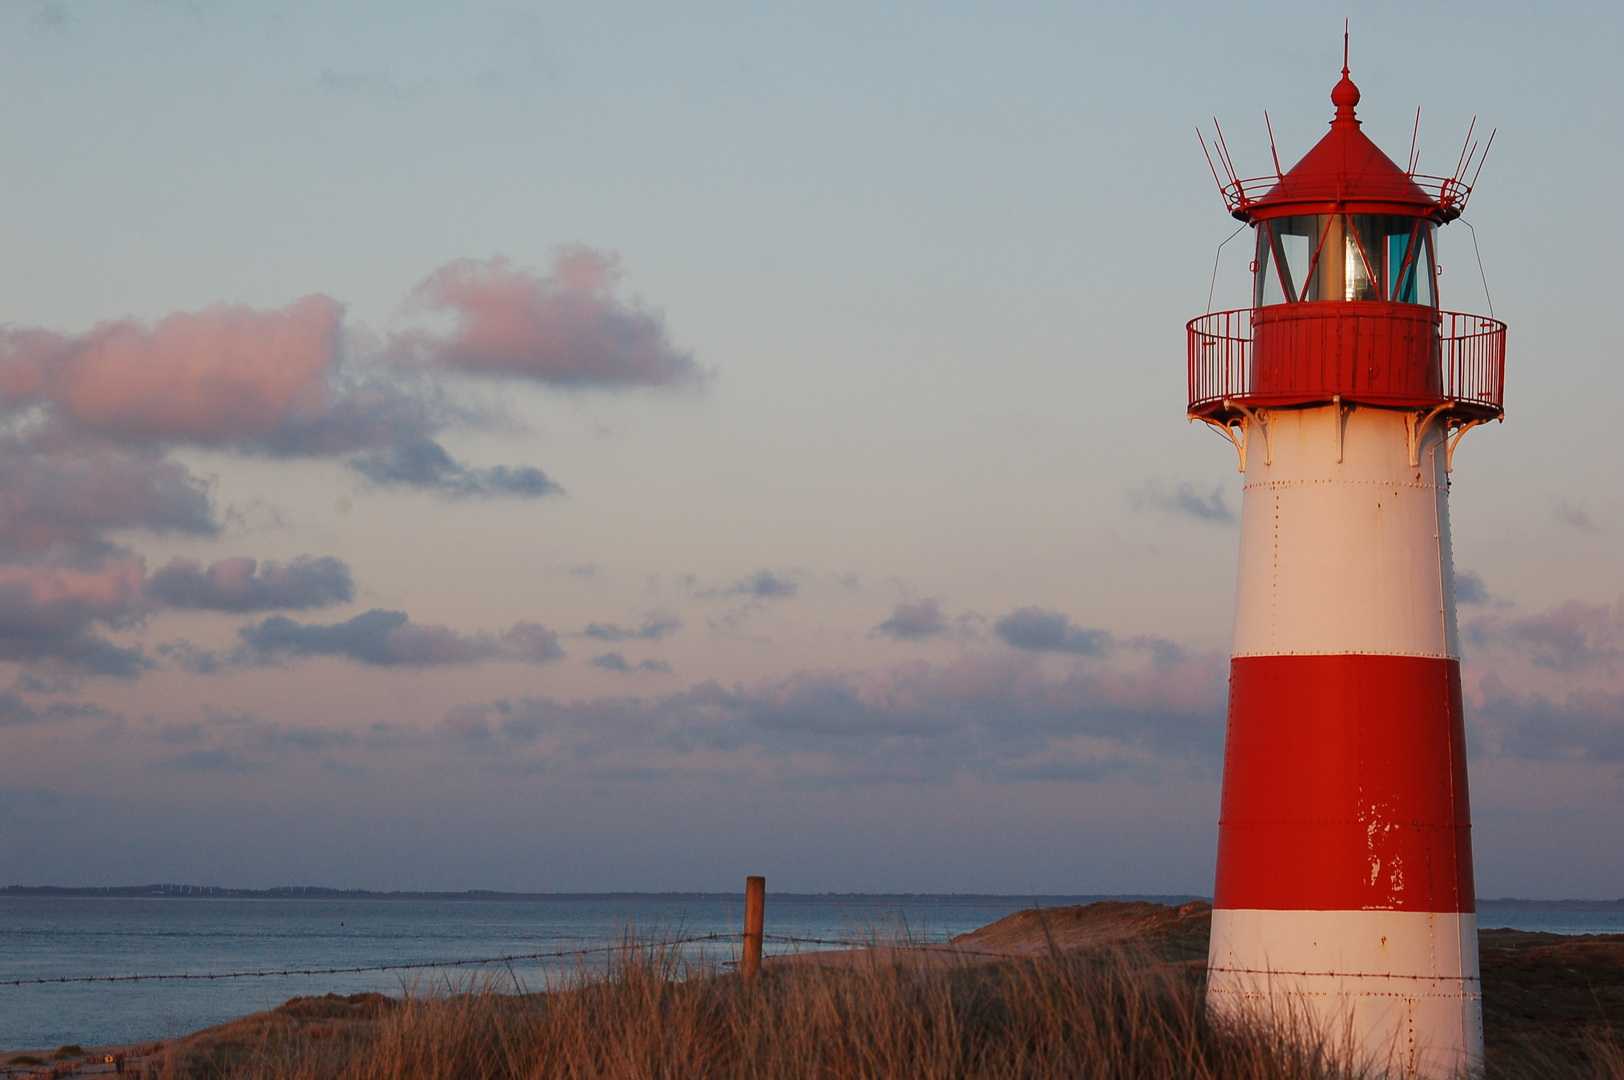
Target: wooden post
{"points": [[755, 902]]}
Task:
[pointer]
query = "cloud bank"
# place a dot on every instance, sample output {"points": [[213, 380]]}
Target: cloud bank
{"points": [[89, 423]]}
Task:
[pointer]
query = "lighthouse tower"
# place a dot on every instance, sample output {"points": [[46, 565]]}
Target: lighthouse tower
{"points": [[1344, 903]]}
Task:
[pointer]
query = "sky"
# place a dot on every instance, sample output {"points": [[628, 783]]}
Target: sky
{"points": [[630, 446]]}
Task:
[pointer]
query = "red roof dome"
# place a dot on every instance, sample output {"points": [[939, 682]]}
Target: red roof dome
{"points": [[1344, 173]]}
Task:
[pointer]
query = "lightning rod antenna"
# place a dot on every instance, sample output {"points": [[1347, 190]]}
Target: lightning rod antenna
{"points": [[1479, 172], [1210, 165], [1272, 150], [1223, 148], [1458, 164], [1413, 136]]}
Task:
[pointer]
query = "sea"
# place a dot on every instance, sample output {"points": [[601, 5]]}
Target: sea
{"points": [[243, 954]]}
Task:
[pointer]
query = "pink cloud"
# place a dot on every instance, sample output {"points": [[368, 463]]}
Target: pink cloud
{"points": [[111, 590], [568, 328], [226, 374], [532, 641], [49, 611]]}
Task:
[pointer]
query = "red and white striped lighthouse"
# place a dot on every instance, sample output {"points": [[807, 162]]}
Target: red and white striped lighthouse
{"points": [[1344, 902]]}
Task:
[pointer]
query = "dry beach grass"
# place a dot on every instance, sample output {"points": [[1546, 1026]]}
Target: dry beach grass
{"points": [[1105, 991], [1100, 1015]]}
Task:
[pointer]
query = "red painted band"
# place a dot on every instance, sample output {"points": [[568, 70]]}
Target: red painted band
{"points": [[1345, 786]]}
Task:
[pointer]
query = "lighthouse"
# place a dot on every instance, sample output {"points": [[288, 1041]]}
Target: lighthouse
{"points": [[1344, 905]]}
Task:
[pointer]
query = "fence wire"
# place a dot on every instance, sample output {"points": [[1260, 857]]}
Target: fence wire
{"points": [[484, 961]]}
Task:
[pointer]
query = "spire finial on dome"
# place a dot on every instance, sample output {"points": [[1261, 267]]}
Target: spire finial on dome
{"points": [[1345, 95]]}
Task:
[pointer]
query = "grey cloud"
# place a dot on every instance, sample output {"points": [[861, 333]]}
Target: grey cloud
{"points": [[1163, 652], [1037, 630], [83, 651], [390, 639], [656, 626], [221, 761], [1573, 515], [240, 584], [1469, 588], [189, 657], [239, 743], [1579, 726], [425, 465], [55, 490], [339, 768], [1572, 637], [533, 642], [273, 738], [1184, 499], [911, 622], [519, 723], [368, 414], [378, 637], [15, 712], [764, 584], [613, 661]]}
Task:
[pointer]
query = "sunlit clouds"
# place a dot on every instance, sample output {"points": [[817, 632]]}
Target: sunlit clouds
{"points": [[567, 328], [595, 449], [92, 422]]}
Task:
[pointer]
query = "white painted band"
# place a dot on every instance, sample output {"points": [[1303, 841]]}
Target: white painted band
{"points": [[1348, 556], [1400, 989]]}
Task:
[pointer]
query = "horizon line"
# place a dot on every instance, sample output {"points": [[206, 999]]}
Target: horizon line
{"points": [[169, 890]]}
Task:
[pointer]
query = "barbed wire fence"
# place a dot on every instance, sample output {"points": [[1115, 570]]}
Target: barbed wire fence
{"points": [[624, 947]]}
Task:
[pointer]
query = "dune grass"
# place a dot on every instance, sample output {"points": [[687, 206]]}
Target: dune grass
{"points": [[651, 1014]]}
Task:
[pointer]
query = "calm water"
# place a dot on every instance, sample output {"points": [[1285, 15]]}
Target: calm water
{"points": [[53, 937], [47, 938]]}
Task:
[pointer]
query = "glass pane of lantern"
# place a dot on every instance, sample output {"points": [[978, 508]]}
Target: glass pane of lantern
{"points": [[1426, 281], [1298, 246], [1406, 252], [1401, 266], [1267, 284], [1359, 276], [1284, 247]]}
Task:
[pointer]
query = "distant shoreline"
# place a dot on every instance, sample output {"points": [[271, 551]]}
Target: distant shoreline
{"points": [[312, 892]]}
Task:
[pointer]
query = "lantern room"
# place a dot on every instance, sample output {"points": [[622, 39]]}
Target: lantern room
{"points": [[1346, 257], [1345, 304]]}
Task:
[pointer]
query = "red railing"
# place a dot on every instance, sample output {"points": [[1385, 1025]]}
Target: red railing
{"points": [[1474, 359], [1347, 350], [1448, 192]]}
